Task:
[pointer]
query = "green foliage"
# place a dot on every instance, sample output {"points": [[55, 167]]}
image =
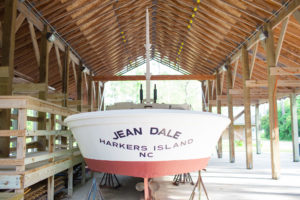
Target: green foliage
{"points": [[169, 92], [284, 120]]}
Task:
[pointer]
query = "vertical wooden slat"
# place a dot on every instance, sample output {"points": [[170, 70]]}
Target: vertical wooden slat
{"points": [[230, 115], [218, 92], [70, 170], [295, 137], [257, 125], [273, 118], [247, 106], [44, 71], [97, 95], [8, 48], [90, 93], [65, 80], [79, 88], [21, 142], [203, 97], [209, 85], [51, 147]]}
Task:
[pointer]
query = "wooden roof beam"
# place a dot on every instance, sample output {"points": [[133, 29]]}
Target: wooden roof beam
{"points": [[155, 77]]}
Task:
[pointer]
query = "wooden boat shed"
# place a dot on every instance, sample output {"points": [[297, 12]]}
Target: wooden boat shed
{"points": [[56, 56]]}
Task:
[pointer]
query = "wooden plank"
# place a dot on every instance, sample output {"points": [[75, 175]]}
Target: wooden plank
{"points": [[11, 162], [90, 93], [47, 133], [230, 115], [295, 137], [273, 118], [70, 170], [281, 71], [199, 77], [34, 42], [257, 125], [280, 39], [17, 133], [247, 108], [40, 173], [264, 83], [11, 196], [47, 156], [10, 182], [218, 92], [209, 96], [50, 188], [7, 56], [28, 87]]}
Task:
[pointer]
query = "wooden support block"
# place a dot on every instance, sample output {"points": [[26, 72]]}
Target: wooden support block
{"points": [[295, 137], [247, 108], [11, 162]]}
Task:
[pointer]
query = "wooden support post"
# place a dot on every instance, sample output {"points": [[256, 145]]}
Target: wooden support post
{"points": [[21, 143], [65, 86], [273, 118], [247, 105], [102, 96], [83, 175], [8, 49], [295, 136], [65, 80], [230, 115], [97, 95], [90, 94], [44, 71], [203, 97], [218, 92], [50, 191], [257, 125], [79, 88], [70, 170], [51, 143], [209, 94]]}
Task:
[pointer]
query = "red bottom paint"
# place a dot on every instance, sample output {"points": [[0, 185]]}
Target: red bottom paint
{"points": [[147, 169]]}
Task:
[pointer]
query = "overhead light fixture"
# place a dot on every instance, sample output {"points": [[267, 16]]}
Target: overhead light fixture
{"points": [[224, 68], [85, 70], [263, 35], [50, 36]]}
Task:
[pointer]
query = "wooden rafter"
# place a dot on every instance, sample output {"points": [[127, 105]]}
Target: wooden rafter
{"points": [[154, 77]]}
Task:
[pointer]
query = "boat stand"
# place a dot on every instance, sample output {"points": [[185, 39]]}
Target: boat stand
{"points": [[95, 191], [198, 184], [183, 178], [110, 181]]}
